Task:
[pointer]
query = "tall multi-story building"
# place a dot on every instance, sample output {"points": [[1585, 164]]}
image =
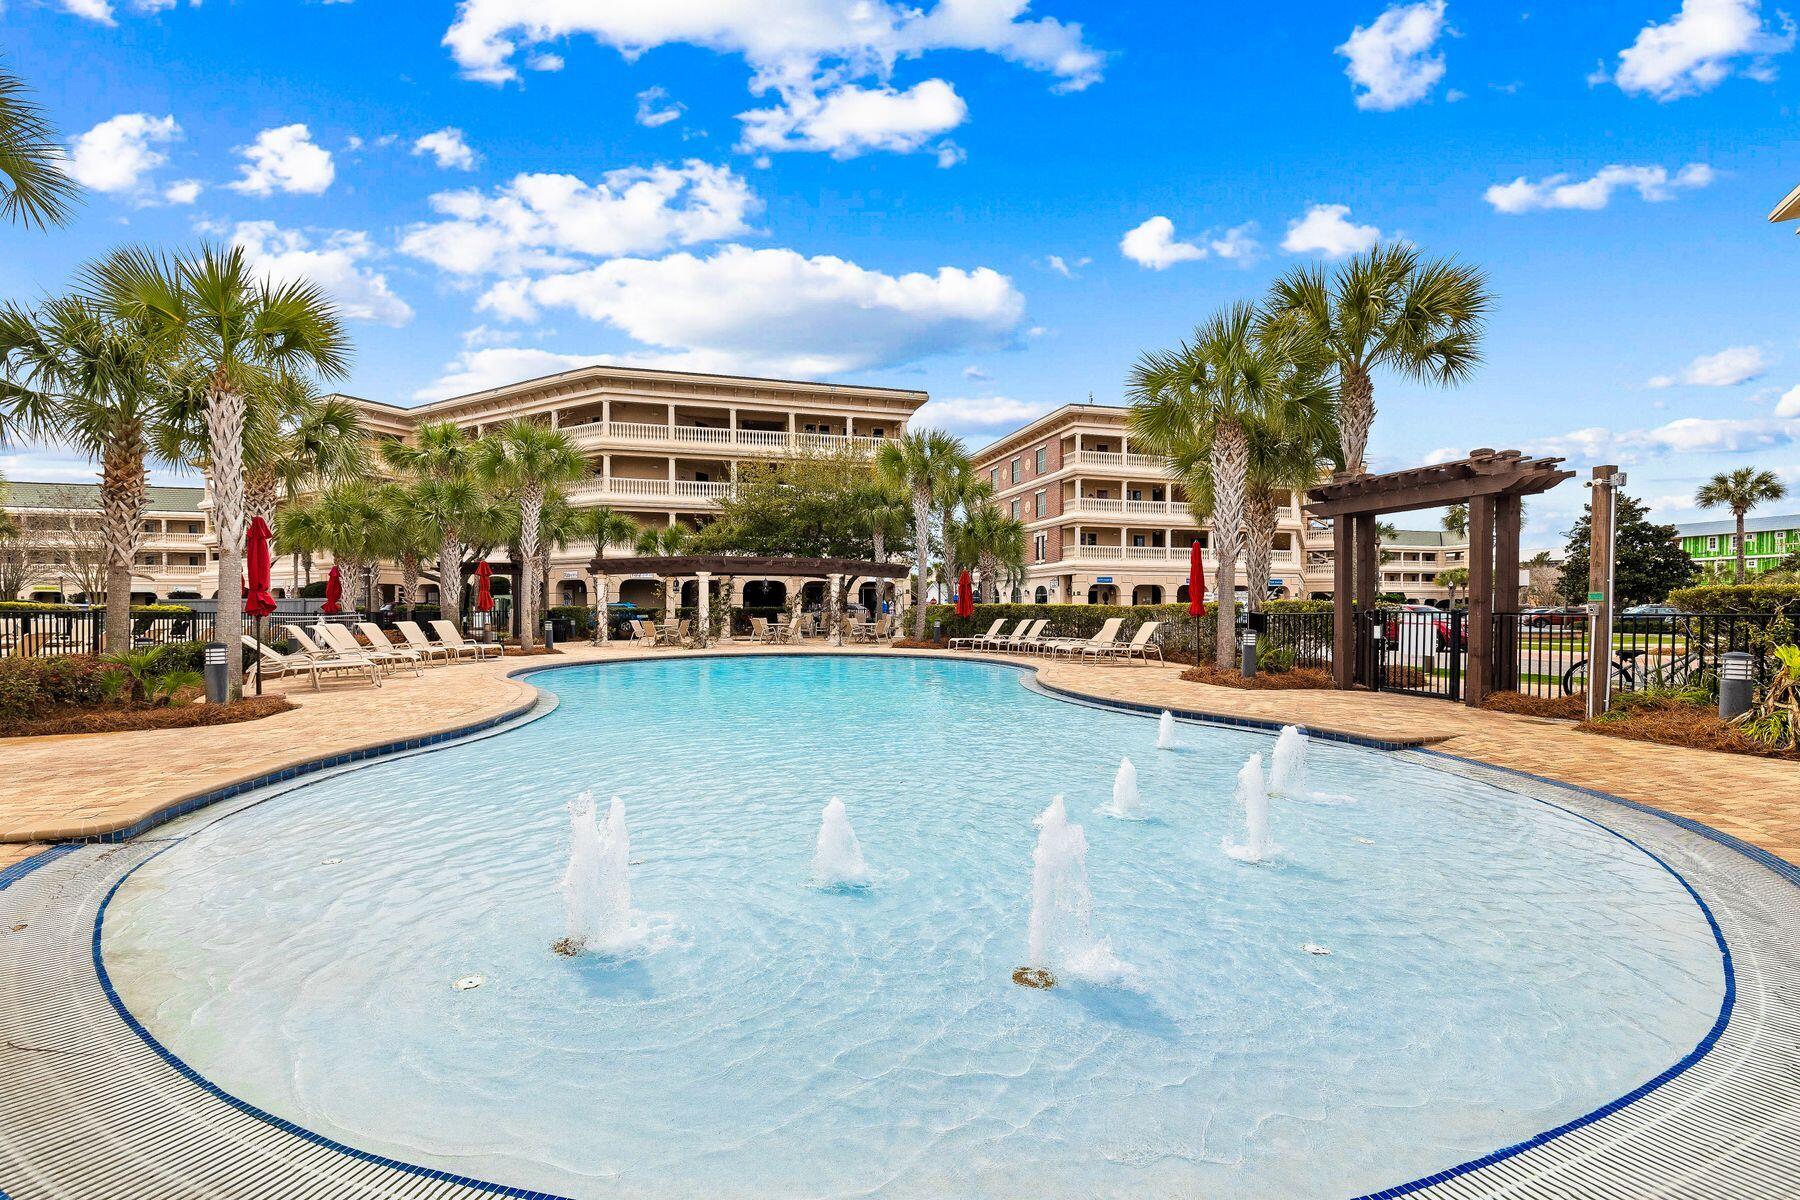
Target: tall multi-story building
{"points": [[663, 446], [1767, 540], [1412, 560], [61, 547], [1107, 525]]}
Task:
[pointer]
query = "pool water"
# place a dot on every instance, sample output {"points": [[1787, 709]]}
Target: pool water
{"points": [[1497, 965]]}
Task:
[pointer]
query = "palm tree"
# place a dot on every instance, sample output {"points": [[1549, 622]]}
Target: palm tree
{"points": [[995, 542], [347, 521], [664, 540], [883, 512], [1385, 308], [1456, 520], [1287, 455], [83, 377], [525, 458], [238, 335], [33, 188], [559, 526], [407, 536], [1238, 371], [604, 526], [442, 458], [1453, 580], [309, 442], [1740, 491], [920, 463]]}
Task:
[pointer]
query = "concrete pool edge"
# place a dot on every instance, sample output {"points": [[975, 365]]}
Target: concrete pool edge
{"points": [[1525, 1157]]}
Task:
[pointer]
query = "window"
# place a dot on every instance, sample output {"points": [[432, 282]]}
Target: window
{"points": [[1100, 493], [994, 475], [1041, 596], [1137, 539], [702, 477], [1135, 494], [1040, 501], [1041, 459], [1015, 470], [1712, 543], [879, 431], [1089, 538], [1040, 550], [1015, 510]]}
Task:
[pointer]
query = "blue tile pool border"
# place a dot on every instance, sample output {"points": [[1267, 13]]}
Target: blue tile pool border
{"points": [[1771, 862]]}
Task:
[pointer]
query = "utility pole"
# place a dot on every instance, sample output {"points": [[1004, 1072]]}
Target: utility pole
{"points": [[1603, 508]]}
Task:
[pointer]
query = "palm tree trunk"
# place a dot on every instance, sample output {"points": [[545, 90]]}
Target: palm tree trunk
{"points": [[225, 446], [261, 492], [921, 556], [409, 580], [1739, 514], [122, 499], [1261, 508], [1230, 456], [1356, 415], [990, 576], [531, 512], [450, 557], [601, 633]]}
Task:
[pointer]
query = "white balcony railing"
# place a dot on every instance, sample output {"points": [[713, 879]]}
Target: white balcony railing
{"points": [[1121, 462], [1095, 506], [602, 434], [1160, 554], [596, 491]]}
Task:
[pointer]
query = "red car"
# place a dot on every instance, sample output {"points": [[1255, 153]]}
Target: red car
{"points": [[1558, 618]]}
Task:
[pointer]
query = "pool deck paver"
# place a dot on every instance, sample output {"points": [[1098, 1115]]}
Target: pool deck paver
{"points": [[82, 786]]}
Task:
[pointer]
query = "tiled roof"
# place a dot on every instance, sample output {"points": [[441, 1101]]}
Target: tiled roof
{"points": [[21, 494]]}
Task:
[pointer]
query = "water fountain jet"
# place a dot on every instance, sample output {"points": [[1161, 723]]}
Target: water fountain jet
{"points": [[1253, 794], [1062, 941], [1165, 731], [597, 885], [1287, 764], [1126, 804], [838, 858]]}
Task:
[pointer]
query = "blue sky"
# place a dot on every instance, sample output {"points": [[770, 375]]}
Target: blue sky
{"points": [[965, 196]]}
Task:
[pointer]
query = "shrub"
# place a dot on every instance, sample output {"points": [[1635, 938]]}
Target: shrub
{"points": [[577, 615], [137, 610], [1736, 598], [32, 684], [1084, 620]]}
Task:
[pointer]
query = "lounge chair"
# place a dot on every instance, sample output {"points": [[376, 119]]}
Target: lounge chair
{"points": [[1007, 643], [415, 637], [1143, 645], [972, 642], [269, 659], [450, 635], [1109, 633], [1139, 643], [1034, 640], [339, 638], [382, 643]]}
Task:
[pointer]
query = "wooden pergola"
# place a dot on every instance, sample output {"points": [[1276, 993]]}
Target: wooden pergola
{"points": [[1492, 483]]}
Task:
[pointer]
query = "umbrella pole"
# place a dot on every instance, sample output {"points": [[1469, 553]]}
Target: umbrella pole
{"points": [[259, 642]]}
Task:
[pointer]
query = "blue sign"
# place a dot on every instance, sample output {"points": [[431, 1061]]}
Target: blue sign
{"points": [[1103, 579]]}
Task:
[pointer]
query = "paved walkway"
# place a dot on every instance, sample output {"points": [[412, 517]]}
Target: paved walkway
{"points": [[61, 788]]}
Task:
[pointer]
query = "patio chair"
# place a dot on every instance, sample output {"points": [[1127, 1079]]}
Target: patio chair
{"points": [[1007, 643], [1034, 641], [382, 643], [450, 635], [643, 633], [1139, 644], [339, 638], [972, 642], [415, 637], [1108, 634], [270, 659]]}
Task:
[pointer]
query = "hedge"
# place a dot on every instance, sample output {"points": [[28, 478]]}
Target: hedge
{"points": [[1737, 598], [137, 610], [1084, 620], [32, 686]]}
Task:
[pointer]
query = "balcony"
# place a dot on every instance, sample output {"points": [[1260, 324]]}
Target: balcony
{"points": [[605, 435], [1162, 554], [670, 492], [1146, 463], [1094, 506]]}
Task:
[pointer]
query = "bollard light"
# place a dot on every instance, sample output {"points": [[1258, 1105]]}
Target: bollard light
{"points": [[1249, 653], [213, 663], [1737, 683]]}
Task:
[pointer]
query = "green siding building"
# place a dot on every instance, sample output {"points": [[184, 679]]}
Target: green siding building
{"points": [[1767, 540]]}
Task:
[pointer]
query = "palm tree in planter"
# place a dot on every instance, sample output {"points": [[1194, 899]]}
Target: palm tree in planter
{"points": [[237, 336], [1740, 491], [559, 526], [306, 442], [604, 526], [85, 377], [347, 521], [526, 459], [1237, 372], [995, 542], [442, 459], [34, 190], [1385, 309], [920, 463]]}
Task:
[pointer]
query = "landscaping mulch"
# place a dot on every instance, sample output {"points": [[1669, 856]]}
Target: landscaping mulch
{"points": [[121, 720], [924, 644], [1560, 708], [1677, 723], [1298, 679]]}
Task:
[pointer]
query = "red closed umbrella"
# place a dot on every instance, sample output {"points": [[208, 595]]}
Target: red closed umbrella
{"points": [[484, 591], [1196, 583], [259, 562], [965, 596], [334, 593]]}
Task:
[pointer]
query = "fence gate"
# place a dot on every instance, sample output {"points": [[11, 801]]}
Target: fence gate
{"points": [[1415, 651]]}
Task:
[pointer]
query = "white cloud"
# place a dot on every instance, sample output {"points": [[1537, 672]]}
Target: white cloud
{"points": [[851, 120], [974, 372], [1789, 404], [777, 311], [1685, 436], [1064, 267], [1735, 365], [1391, 64], [545, 62], [1153, 245], [654, 108], [538, 221], [93, 10], [448, 147], [1699, 47], [860, 39], [284, 159], [1326, 229], [119, 153], [977, 413], [1595, 192], [480, 369], [337, 262], [183, 191]]}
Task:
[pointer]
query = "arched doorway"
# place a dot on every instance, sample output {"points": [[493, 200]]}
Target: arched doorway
{"points": [[1182, 594], [1103, 593], [765, 593], [639, 593], [1146, 593], [1041, 595], [572, 592]]}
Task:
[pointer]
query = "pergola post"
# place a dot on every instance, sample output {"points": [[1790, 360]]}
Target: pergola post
{"points": [[1508, 512], [1343, 617], [703, 600], [1368, 558], [796, 587], [834, 634], [1479, 676], [728, 601]]}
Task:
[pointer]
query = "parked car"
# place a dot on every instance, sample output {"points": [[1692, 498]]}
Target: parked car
{"points": [[1410, 617], [1651, 612], [1449, 632], [1559, 618]]}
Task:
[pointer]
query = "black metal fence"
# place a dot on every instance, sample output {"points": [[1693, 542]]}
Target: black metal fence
{"points": [[1418, 651], [40, 634], [1555, 657], [1304, 636]]}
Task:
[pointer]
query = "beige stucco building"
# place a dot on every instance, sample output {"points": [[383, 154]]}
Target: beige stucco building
{"points": [[59, 527]]}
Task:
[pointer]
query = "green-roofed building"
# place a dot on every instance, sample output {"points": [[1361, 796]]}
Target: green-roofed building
{"points": [[58, 550], [1767, 540]]}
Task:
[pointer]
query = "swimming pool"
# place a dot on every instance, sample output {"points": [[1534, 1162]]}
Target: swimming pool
{"points": [[1497, 965]]}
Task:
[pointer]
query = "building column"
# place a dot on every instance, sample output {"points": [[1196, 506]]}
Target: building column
{"points": [[606, 417], [601, 632], [703, 601], [834, 626]]}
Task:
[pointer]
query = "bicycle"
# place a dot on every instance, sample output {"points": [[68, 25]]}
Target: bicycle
{"points": [[1677, 672]]}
